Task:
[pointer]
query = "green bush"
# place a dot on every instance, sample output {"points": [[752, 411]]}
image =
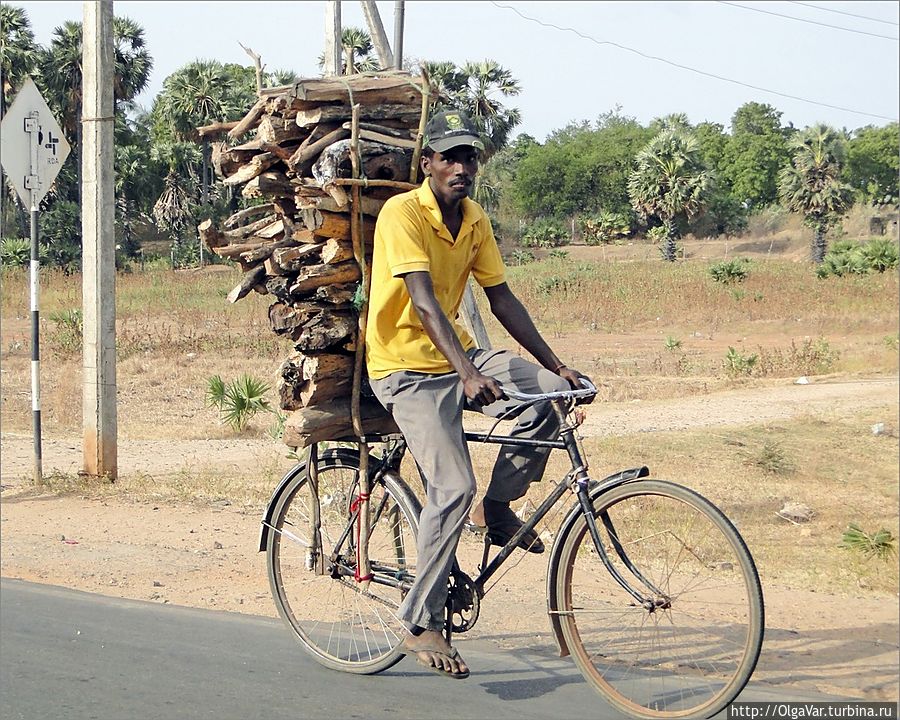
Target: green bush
{"points": [[728, 271], [737, 364], [606, 227], [881, 544], [68, 332], [544, 233], [846, 257], [239, 400], [15, 252]]}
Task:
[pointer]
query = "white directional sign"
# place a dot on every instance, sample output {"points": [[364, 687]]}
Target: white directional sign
{"points": [[32, 146]]}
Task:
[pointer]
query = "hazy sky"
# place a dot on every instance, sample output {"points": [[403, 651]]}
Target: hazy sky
{"points": [[567, 75]]}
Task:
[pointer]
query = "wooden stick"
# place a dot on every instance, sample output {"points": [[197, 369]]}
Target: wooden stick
{"points": [[366, 182], [423, 118], [249, 120], [310, 151], [364, 569]]}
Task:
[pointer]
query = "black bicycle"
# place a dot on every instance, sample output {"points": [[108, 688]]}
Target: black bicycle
{"points": [[650, 588]]}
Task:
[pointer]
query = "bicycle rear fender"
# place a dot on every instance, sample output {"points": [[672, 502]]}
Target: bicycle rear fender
{"points": [[553, 569], [348, 457]]}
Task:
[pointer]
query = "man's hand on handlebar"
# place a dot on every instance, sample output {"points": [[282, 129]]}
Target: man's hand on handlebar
{"points": [[574, 379], [482, 389]]}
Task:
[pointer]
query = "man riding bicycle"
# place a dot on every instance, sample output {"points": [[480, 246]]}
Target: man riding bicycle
{"points": [[425, 369]]}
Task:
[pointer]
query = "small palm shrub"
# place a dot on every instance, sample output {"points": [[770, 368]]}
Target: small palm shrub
{"points": [[15, 252], [737, 364], [850, 258], [729, 271], [605, 227], [239, 400], [881, 544], [544, 233], [68, 331]]}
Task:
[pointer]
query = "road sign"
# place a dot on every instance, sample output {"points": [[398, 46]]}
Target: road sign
{"points": [[32, 146]]}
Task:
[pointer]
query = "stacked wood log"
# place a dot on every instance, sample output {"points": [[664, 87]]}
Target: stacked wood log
{"points": [[320, 173]]}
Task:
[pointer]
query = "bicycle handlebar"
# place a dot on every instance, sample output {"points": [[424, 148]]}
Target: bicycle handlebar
{"points": [[589, 390]]}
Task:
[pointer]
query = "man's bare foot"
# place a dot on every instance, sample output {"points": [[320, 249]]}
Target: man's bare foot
{"points": [[434, 652]]}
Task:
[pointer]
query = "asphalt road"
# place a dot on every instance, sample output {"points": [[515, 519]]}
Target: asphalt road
{"points": [[69, 655]]}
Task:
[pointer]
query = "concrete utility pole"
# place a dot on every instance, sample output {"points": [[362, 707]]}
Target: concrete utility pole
{"points": [[99, 248], [398, 34], [376, 30], [333, 46]]}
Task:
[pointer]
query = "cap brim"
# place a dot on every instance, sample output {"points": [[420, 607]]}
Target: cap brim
{"points": [[445, 144]]}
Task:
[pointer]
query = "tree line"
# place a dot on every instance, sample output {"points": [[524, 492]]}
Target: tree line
{"points": [[613, 176]]}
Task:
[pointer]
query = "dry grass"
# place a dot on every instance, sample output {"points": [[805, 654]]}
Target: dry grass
{"points": [[617, 321]]}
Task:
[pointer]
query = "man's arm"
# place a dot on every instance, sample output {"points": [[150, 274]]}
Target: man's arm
{"points": [[477, 387], [507, 308]]}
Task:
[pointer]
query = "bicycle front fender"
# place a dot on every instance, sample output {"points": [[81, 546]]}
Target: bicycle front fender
{"points": [[553, 569]]}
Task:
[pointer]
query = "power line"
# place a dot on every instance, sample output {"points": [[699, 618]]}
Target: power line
{"points": [[810, 22], [841, 12], [686, 67]]}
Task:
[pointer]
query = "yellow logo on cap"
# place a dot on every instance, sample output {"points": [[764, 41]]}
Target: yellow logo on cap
{"points": [[454, 122]]}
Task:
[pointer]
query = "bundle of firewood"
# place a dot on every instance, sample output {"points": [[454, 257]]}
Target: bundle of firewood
{"points": [[324, 156]]}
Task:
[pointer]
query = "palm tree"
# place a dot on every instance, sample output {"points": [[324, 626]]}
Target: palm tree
{"points": [[485, 81], [356, 49], [200, 93], [18, 52], [62, 71], [670, 180], [475, 88], [811, 185]]}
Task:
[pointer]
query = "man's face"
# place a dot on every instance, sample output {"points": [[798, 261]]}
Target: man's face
{"points": [[452, 172]]}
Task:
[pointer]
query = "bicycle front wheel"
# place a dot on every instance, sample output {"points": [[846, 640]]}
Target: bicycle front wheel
{"points": [[343, 626], [691, 646]]}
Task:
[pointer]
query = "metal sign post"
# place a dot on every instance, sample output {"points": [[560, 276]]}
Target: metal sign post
{"points": [[33, 149]]}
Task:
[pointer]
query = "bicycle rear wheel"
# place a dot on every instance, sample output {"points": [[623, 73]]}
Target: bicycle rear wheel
{"points": [[690, 650], [342, 626]]}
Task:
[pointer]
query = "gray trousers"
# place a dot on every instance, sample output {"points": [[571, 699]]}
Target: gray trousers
{"points": [[428, 410]]}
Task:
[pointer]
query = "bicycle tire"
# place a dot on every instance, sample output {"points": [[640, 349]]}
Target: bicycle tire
{"points": [[339, 624], [692, 654]]}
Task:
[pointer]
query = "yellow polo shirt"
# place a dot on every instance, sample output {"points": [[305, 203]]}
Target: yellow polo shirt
{"points": [[410, 235]]}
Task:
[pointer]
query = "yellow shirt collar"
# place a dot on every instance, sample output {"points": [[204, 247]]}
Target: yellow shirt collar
{"points": [[433, 212]]}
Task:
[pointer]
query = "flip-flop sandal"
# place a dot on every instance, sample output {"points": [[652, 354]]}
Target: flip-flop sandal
{"points": [[500, 530], [452, 655]]}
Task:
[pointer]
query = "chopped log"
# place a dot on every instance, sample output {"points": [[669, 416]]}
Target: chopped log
{"points": [[258, 164], [282, 153], [290, 260], [274, 129], [370, 206], [337, 250], [250, 120], [332, 422], [329, 224], [366, 89], [392, 139], [380, 161], [264, 252], [215, 129], [305, 154], [309, 327], [210, 235], [336, 294], [226, 160], [268, 184], [252, 278], [315, 276], [402, 114], [325, 330], [313, 379], [240, 216]]}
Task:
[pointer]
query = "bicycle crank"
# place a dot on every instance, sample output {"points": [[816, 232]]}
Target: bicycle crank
{"points": [[463, 602]]}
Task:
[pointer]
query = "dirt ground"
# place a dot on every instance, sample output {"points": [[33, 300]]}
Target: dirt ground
{"points": [[205, 556]]}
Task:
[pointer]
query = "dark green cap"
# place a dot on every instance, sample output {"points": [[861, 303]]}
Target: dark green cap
{"points": [[450, 128]]}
